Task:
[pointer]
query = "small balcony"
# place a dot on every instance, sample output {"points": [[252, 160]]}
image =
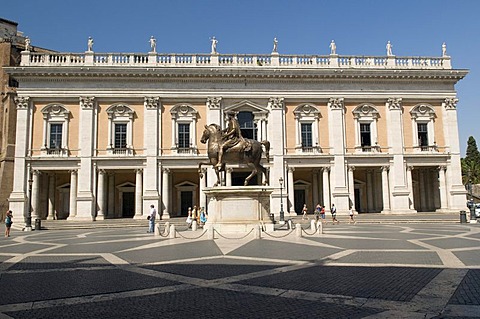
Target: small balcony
{"points": [[120, 151], [309, 149], [55, 151]]}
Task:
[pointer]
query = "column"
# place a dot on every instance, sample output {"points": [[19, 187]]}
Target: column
{"points": [[370, 204], [101, 195], [326, 188], [138, 193], [18, 199], [338, 175], [203, 184], [229, 176], [73, 195], [315, 188], [385, 189], [351, 186], [410, 186], [291, 191], [111, 195], [166, 193], [86, 174], [398, 186], [423, 189], [442, 187], [456, 190], [151, 140], [51, 197], [35, 195]]}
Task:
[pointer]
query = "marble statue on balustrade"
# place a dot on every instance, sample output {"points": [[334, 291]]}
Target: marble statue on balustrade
{"points": [[444, 50], [389, 49], [90, 44], [275, 45], [214, 45], [28, 44], [333, 48], [228, 146], [153, 44]]}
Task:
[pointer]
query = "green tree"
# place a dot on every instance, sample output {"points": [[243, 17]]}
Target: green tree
{"points": [[471, 163]]}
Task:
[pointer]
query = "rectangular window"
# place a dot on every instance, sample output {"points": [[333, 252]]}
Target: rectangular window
{"points": [[183, 135], [120, 135], [422, 135], [307, 135], [56, 135], [365, 136]]}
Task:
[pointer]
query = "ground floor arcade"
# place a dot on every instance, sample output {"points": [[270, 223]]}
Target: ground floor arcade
{"points": [[128, 190]]}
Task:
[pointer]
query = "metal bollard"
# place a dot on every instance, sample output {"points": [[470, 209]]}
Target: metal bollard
{"points": [[172, 232], [290, 224], [313, 227], [463, 217], [298, 230], [194, 225]]}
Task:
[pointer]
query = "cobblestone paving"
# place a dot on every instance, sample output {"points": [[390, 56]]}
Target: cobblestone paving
{"points": [[351, 271]]}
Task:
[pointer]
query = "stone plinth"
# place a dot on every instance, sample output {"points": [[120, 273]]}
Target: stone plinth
{"points": [[238, 208]]}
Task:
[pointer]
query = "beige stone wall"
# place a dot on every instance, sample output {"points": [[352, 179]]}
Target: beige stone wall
{"points": [[382, 127], [138, 127], [350, 127], [324, 135], [290, 127]]}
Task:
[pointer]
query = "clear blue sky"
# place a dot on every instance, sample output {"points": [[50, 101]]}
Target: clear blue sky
{"points": [[359, 27]]}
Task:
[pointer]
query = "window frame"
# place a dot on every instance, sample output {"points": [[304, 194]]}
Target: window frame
{"points": [[423, 114], [363, 114], [184, 114], [307, 114], [55, 114], [120, 113]]}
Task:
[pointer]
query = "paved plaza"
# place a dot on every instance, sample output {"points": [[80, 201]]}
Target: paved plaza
{"points": [[351, 271]]}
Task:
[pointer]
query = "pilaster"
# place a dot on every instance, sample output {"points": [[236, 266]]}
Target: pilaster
{"points": [[151, 138]]}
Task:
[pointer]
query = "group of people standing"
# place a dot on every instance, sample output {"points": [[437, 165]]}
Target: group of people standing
{"points": [[320, 214], [198, 215]]}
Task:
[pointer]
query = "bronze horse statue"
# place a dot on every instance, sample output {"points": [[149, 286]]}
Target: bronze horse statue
{"points": [[237, 155]]}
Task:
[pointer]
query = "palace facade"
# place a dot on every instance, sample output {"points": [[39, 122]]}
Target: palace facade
{"points": [[107, 135]]}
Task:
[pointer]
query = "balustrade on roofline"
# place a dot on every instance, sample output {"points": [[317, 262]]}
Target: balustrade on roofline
{"points": [[231, 60]]}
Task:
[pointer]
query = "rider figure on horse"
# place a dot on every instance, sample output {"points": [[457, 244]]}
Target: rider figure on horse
{"points": [[231, 137]]}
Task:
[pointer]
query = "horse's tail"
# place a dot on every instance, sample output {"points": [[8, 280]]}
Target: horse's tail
{"points": [[267, 149]]}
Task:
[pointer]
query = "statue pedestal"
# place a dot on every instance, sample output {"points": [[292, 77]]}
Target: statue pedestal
{"points": [[238, 208]]}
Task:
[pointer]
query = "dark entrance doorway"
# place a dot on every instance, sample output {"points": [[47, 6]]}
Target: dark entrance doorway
{"points": [[299, 198], [186, 201], [128, 204]]}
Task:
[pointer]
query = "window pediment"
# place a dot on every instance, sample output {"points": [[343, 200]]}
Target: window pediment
{"points": [[423, 111], [246, 106], [307, 110], [365, 110], [120, 110], [183, 110], [55, 111]]}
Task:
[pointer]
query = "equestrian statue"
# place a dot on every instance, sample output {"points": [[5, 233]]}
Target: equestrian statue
{"points": [[228, 146]]}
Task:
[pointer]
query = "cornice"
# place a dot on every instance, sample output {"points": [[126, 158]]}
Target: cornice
{"points": [[204, 73]]}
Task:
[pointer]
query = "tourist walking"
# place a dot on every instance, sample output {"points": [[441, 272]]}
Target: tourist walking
{"points": [[318, 210], [189, 219], [151, 219], [304, 211], [8, 223], [322, 215], [352, 218], [334, 214]]}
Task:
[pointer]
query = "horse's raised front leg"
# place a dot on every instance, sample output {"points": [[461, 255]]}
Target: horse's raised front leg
{"points": [[249, 177]]}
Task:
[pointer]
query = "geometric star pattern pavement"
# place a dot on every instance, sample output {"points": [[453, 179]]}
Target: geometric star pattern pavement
{"points": [[351, 271]]}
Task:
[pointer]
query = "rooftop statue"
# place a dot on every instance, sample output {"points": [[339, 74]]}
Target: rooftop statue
{"points": [[229, 147], [90, 44], [333, 48], [153, 44], [389, 49], [214, 45], [275, 45]]}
